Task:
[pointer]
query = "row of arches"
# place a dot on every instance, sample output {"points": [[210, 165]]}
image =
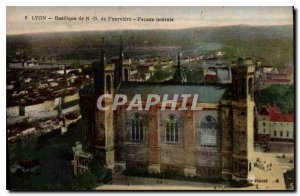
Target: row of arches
{"points": [[208, 129]]}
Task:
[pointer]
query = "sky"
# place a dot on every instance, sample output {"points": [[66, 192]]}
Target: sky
{"points": [[184, 17]]}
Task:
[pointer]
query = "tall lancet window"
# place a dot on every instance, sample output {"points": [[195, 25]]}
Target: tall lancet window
{"points": [[172, 129], [137, 127], [208, 131]]}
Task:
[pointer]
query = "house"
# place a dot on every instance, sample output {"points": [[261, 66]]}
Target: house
{"points": [[275, 130]]}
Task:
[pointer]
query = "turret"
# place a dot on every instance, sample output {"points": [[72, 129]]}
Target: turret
{"points": [[243, 78], [243, 119]]}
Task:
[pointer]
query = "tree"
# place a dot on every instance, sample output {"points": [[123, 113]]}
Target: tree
{"points": [[281, 95], [96, 166], [85, 181]]}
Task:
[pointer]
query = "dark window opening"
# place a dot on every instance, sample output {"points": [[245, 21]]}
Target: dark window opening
{"points": [[126, 75], [137, 127], [108, 84], [171, 129]]}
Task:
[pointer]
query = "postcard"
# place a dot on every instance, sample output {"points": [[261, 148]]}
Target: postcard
{"points": [[150, 98]]}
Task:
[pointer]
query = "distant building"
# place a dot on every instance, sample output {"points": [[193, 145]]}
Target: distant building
{"points": [[141, 77], [21, 64], [12, 111], [275, 129], [211, 78], [218, 73], [268, 75]]}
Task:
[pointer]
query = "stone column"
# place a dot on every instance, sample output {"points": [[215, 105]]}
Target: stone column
{"points": [[225, 127], [153, 140], [189, 140], [240, 141]]}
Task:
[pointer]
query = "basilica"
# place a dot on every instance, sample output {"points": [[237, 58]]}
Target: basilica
{"points": [[214, 142]]}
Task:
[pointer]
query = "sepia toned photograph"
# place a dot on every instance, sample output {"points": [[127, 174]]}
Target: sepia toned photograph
{"points": [[169, 98]]}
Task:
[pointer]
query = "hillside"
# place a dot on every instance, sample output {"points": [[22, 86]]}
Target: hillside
{"points": [[270, 41]]}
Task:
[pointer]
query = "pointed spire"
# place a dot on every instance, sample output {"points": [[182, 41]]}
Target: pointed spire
{"points": [[179, 75], [99, 70], [121, 43], [178, 59], [119, 66], [103, 58], [102, 46]]}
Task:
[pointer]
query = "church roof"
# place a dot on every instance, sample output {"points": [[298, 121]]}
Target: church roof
{"points": [[275, 114], [282, 117], [206, 93]]}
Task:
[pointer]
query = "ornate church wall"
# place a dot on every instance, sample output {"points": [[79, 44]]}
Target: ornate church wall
{"points": [[136, 138], [208, 144], [171, 155]]}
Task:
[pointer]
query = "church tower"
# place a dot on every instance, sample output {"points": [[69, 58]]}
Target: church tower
{"points": [[104, 134], [242, 118]]}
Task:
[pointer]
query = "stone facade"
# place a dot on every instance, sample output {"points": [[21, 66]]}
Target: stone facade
{"points": [[272, 125], [213, 143], [275, 130]]}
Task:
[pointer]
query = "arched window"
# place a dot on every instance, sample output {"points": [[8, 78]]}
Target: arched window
{"points": [[208, 131], [171, 129], [137, 127], [108, 84], [250, 87]]}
